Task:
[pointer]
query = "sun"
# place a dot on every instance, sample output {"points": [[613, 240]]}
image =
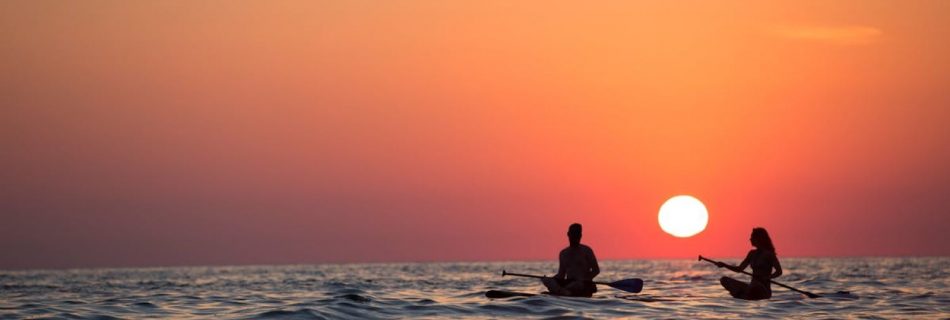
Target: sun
{"points": [[683, 216]]}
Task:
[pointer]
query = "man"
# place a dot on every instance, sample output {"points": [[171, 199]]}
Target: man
{"points": [[576, 270]]}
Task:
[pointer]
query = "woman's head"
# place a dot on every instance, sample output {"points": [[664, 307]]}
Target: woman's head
{"points": [[761, 240]]}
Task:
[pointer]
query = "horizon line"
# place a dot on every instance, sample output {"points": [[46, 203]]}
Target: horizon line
{"points": [[425, 262]]}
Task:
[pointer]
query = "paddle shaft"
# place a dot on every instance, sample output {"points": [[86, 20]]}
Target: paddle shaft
{"points": [[506, 273], [812, 295]]}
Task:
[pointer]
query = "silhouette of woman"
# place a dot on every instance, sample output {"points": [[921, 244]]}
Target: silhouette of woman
{"points": [[762, 259]]}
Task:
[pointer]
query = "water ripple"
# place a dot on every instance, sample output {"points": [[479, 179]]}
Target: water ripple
{"points": [[851, 288]]}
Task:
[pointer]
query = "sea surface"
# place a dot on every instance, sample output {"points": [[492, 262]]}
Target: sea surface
{"points": [[685, 289]]}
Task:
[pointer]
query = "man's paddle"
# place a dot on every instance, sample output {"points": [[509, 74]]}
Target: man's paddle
{"points": [[629, 285], [809, 294]]}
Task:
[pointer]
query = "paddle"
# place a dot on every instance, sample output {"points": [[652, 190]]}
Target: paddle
{"points": [[809, 294], [629, 285]]}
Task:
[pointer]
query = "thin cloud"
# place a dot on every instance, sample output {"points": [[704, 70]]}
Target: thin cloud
{"points": [[841, 35]]}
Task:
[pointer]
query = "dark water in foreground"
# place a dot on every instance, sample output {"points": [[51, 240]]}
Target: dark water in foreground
{"points": [[880, 288]]}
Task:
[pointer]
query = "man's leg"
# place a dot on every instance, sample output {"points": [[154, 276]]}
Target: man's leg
{"points": [[581, 288], [554, 286]]}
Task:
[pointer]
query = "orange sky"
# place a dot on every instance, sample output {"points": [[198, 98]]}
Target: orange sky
{"points": [[167, 133]]}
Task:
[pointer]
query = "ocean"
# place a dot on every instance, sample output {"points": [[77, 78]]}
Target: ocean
{"points": [[684, 289]]}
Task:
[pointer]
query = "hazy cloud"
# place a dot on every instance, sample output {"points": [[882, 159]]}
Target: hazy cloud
{"points": [[841, 35]]}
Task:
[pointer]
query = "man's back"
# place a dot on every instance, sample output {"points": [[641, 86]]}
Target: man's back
{"points": [[578, 262]]}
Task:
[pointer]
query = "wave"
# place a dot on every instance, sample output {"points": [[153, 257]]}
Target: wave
{"points": [[866, 287]]}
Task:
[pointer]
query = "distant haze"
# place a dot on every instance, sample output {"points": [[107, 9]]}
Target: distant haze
{"points": [[153, 133]]}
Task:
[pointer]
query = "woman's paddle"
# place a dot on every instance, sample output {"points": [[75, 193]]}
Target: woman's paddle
{"points": [[629, 285], [809, 294]]}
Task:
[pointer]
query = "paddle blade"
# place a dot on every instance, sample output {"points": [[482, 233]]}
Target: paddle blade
{"points": [[628, 285]]}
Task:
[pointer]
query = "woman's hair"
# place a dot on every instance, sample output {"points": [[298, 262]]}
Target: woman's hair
{"points": [[762, 238]]}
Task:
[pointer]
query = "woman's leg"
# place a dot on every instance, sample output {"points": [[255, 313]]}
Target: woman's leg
{"points": [[736, 288], [757, 291]]}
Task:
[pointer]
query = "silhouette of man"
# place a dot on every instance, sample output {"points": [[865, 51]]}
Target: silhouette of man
{"points": [[576, 269]]}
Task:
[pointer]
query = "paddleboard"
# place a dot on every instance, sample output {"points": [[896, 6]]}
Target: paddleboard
{"points": [[499, 294], [643, 298]]}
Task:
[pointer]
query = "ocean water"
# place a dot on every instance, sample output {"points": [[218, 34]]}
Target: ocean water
{"points": [[684, 289]]}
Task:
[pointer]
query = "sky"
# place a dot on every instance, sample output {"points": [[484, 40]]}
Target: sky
{"points": [[163, 133]]}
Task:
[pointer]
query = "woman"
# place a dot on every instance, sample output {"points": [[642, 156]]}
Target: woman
{"points": [[762, 259]]}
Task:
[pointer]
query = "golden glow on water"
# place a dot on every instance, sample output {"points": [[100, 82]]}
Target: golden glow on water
{"points": [[679, 289]]}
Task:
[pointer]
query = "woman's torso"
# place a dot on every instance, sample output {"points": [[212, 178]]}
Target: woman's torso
{"points": [[761, 263]]}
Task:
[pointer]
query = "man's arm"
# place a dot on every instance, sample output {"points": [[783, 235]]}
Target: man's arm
{"points": [[594, 267], [560, 267]]}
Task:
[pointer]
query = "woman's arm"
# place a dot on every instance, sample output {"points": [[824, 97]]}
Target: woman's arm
{"points": [[777, 266], [741, 266]]}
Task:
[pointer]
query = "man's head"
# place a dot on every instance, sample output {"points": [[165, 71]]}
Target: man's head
{"points": [[574, 234]]}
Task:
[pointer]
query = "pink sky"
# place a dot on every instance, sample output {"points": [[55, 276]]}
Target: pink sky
{"points": [[195, 133]]}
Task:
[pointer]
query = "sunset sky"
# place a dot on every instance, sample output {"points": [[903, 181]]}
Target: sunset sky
{"points": [[156, 133]]}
